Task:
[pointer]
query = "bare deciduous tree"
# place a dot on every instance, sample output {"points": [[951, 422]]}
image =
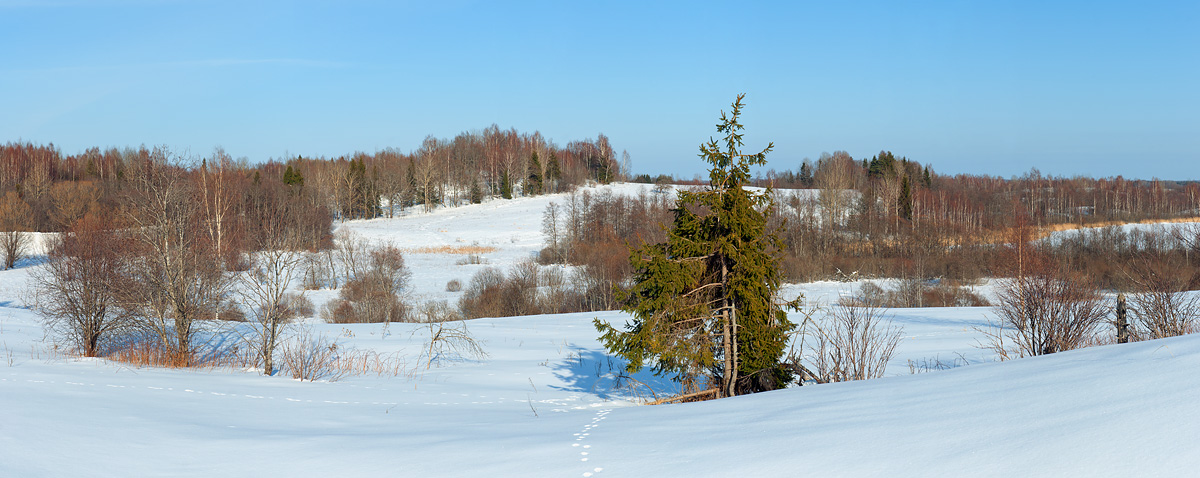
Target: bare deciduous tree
{"points": [[176, 278], [265, 286], [14, 224], [76, 288], [72, 199]]}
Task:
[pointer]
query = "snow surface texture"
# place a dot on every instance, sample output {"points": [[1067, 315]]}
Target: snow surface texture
{"points": [[544, 402]]}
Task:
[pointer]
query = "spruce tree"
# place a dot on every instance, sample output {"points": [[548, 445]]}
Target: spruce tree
{"points": [[703, 302], [533, 184], [553, 173], [904, 202], [476, 193], [505, 185], [291, 177], [806, 174]]}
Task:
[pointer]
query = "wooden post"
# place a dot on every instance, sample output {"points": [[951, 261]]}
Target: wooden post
{"points": [[1122, 324]]}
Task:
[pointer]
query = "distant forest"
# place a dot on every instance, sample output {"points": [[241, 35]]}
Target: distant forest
{"points": [[59, 188], [839, 217]]}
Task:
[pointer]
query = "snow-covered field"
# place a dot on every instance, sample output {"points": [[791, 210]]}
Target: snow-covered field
{"points": [[543, 403]]}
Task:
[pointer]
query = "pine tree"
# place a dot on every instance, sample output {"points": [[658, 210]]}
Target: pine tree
{"points": [[703, 303], [904, 202]]}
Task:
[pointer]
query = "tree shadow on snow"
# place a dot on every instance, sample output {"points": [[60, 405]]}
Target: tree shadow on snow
{"points": [[594, 372]]}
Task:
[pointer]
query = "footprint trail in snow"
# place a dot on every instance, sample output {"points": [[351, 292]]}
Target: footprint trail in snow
{"points": [[583, 448]]}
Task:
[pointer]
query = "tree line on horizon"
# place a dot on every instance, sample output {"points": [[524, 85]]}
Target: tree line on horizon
{"points": [[59, 188]]}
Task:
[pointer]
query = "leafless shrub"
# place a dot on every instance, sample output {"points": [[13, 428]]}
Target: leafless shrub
{"points": [[353, 254], [319, 272], [918, 293], [436, 311], [1162, 305], [484, 295], [373, 294], [296, 305], [309, 357], [451, 341], [454, 285], [1164, 313], [471, 259], [1042, 315], [14, 245], [226, 311], [854, 342]]}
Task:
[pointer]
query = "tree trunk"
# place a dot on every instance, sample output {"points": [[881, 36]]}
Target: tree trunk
{"points": [[1122, 324], [728, 336]]}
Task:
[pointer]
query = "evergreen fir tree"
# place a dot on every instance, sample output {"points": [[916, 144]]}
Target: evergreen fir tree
{"points": [[553, 173], [358, 192], [704, 302], [291, 177], [505, 185], [927, 179], [806, 174], [904, 202], [533, 184], [882, 165], [476, 193]]}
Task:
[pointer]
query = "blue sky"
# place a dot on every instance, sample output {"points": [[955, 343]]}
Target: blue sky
{"points": [[1071, 88]]}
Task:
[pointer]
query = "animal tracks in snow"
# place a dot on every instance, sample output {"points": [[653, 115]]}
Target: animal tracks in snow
{"points": [[584, 449]]}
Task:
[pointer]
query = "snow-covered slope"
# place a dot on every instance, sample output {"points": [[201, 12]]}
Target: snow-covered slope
{"points": [[544, 402]]}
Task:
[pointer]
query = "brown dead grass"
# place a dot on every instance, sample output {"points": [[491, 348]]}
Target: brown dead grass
{"points": [[1004, 236], [1047, 230], [465, 250]]}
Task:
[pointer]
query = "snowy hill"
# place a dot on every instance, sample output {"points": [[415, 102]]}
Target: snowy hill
{"points": [[546, 402]]}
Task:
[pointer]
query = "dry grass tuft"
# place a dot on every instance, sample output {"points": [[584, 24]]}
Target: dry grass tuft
{"points": [[150, 353], [451, 250]]}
